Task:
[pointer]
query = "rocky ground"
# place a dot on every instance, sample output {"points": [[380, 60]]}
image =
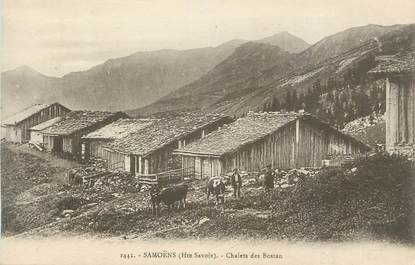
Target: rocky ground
{"points": [[38, 201]]}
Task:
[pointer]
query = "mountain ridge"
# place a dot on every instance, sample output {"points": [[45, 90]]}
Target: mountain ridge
{"points": [[326, 58], [120, 83]]}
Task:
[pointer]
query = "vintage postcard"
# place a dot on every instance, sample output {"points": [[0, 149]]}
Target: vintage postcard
{"points": [[225, 132]]}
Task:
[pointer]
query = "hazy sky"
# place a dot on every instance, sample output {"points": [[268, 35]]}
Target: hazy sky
{"points": [[59, 36]]}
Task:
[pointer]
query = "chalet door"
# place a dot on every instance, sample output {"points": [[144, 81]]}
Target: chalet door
{"points": [[132, 164], [57, 144]]}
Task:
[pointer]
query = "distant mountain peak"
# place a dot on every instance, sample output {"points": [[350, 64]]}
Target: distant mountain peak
{"points": [[233, 43], [24, 69], [283, 33], [286, 41]]}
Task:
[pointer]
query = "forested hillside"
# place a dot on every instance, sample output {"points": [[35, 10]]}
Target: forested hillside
{"points": [[338, 89], [328, 79]]}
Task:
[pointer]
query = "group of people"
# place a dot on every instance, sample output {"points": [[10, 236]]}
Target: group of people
{"points": [[215, 186], [268, 182]]}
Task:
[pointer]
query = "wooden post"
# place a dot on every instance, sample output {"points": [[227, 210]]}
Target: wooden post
{"points": [[392, 134], [388, 114], [146, 165], [182, 167], [211, 166], [403, 115], [411, 111], [297, 141], [127, 161]]}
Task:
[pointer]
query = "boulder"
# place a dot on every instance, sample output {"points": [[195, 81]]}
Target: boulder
{"points": [[203, 220], [68, 211]]}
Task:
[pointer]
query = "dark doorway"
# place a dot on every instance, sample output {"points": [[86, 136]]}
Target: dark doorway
{"points": [[57, 144]]}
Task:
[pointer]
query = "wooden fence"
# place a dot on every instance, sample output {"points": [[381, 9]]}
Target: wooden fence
{"points": [[167, 177]]}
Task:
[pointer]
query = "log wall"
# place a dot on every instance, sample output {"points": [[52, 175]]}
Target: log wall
{"points": [[22, 128], [95, 147], [115, 160], [400, 115], [298, 144]]}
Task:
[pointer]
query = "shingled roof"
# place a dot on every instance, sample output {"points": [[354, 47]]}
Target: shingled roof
{"points": [[245, 131], [119, 129], [46, 124], [401, 63], [24, 114], [162, 132], [78, 120]]}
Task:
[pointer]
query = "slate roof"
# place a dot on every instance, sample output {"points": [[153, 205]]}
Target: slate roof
{"points": [[119, 129], [162, 132], [46, 124], [78, 120], [245, 131], [401, 63], [24, 114]]}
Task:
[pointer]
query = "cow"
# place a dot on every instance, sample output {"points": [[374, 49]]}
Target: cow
{"points": [[168, 196], [216, 186]]}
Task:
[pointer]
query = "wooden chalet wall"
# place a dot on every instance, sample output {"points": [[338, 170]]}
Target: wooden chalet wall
{"points": [[301, 143], [164, 160], [21, 133], [400, 115], [71, 143], [14, 134], [95, 147], [316, 143], [161, 160], [36, 137], [204, 166], [277, 149], [115, 160]]}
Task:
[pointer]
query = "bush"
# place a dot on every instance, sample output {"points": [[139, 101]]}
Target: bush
{"points": [[372, 197], [68, 203]]}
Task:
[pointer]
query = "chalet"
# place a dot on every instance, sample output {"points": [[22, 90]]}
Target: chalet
{"points": [[92, 143], [149, 150], [284, 140], [17, 126], [399, 72], [64, 136], [36, 135]]}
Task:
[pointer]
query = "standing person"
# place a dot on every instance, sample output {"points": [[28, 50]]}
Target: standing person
{"points": [[269, 179], [154, 192], [236, 180]]}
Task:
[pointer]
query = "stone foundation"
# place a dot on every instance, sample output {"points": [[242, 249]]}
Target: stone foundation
{"points": [[407, 150]]}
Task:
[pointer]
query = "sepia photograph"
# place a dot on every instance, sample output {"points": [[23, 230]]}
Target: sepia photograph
{"points": [[213, 132]]}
